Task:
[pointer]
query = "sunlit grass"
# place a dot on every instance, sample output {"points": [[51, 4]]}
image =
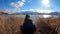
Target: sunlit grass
{"points": [[11, 24]]}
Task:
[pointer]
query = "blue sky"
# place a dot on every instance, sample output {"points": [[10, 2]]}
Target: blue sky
{"points": [[30, 4]]}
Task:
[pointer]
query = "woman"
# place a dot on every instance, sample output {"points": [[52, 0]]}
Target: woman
{"points": [[28, 27]]}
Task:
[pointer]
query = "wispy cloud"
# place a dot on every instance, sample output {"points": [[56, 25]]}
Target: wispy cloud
{"points": [[42, 11], [39, 10], [23, 0], [32, 10], [18, 4]]}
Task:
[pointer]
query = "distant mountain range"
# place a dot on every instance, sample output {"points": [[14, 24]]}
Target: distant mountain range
{"points": [[29, 12], [32, 13], [26, 12], [36, 13], [3, 13], [55, 13]]}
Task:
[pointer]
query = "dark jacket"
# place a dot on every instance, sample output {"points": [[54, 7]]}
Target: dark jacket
{"points": [[28, 27]]}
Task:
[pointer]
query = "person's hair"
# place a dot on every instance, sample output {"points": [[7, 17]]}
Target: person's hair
{"points": [[27, 16]]}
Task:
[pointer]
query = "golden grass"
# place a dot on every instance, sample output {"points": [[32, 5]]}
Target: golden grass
{"points": [[11, 24], [54, 23]]}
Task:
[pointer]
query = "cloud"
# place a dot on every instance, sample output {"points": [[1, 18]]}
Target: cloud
{"points": [[23, 0], [10, 11], [39, 10], [42, 11], [17, 4]]}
